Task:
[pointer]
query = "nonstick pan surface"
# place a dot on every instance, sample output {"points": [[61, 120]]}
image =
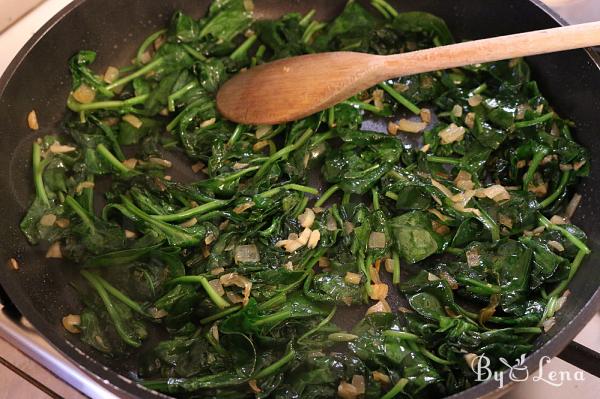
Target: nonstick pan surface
{"points": [[39, 79]]}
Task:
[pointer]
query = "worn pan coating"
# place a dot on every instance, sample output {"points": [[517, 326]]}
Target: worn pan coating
{"points": [[38, 79]]}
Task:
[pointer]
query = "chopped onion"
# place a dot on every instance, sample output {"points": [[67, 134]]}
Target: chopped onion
{"points": [[315, 236], [208, 122], [84, 185], [470, 120], [496, 192], [392, 128], [12, 262], [389, 265], [409, 126], [561, 301], [246, 254], [441, 187], [555, 219], [457, 111], [331, 223], [262, 131], [54, 251], [240, 166], [157, 313], [352, 278], [84, 94], [556, 245], [463, 180], [307, 218], [71, 323], [347, 391], [473, 258], [348, 228], [324, 262], [230, 279], [217, 270], [471, 359], [377, 240], [130, 235], [381, 377], [214, 331], [378, 98], [451, 281], [161, 162], [189, 223], [233, 297], [305, 236], [425, 148], [572, 206], [111, 74], [439, 214], [243, 207], [451, 134], [130, 163], [432, 277], [57, 148], [32, 120], [505, 220], [133, 120], [548, 324], [425, 115], [539, 190], [209, 239], [380, 307], [48, 219], [252, 383], [475, 100], [578, 165], [359, 383], [217, 286], [197, 167], [379, 291]]}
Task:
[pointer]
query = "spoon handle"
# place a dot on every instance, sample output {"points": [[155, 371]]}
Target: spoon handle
{"points": [[493, 49]]}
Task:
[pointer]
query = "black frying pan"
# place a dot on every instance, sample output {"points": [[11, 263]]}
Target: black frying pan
{"points": [[38, 79]]}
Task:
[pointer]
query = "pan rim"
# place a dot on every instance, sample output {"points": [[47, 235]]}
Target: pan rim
{"points": [[127, 387]]}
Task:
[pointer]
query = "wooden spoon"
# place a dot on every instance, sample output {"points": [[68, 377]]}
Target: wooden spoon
{"points": [[296, 87]]}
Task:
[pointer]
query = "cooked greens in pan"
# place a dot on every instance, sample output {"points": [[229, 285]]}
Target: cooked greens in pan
{"points": [[373, 250]]}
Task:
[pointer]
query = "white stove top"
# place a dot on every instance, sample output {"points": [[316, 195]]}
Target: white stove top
{"points": [[25, 338]]}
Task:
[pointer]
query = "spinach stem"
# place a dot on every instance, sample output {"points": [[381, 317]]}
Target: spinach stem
{"points": [[220, 315], [391, 10], [568, 235], [242, 51], [151, 66], [107, 155], [396, 389], [535, 121], [282, 153], [564, 179], [331, 117], [235, 136], [375, 199], [396, 269], [149, 40], [111, 104], [133, 305], [180, 93], [306, 19], [447, 160], [82, 213], [402, 335], [326, 195], [535, 162], [111, 310], [189, 213], [272, 369], [291, 186], [433, 357], [400, 98], [212, 294], [38, 174], [193, 52], [321, 324], [574, 267], [363, 105]]}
